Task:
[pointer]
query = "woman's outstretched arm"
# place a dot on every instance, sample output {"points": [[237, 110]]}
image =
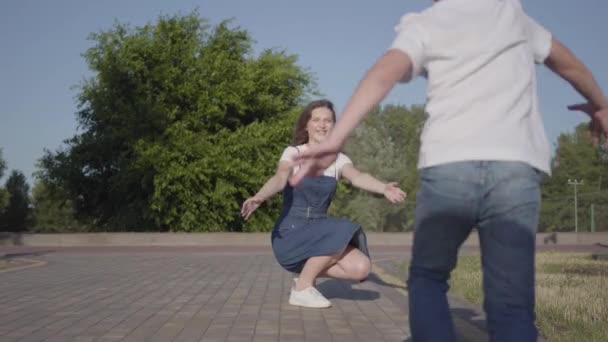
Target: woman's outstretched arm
{"points": [[273, 185], [367, 182]]}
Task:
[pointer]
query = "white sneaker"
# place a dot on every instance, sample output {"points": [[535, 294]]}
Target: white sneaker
{"points": [[308, 298]]}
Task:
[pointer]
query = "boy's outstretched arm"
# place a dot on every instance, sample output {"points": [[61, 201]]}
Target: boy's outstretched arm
{"points": [[391, 67], [565, 64]]}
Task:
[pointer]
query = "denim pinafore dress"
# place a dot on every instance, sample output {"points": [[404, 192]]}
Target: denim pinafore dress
{"points": [[304, 230]]}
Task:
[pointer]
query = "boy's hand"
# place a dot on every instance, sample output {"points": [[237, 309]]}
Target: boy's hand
{"points": [[599, 121]]}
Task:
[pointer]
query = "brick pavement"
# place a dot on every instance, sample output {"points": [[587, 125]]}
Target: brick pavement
{"points": [[190, 295]]}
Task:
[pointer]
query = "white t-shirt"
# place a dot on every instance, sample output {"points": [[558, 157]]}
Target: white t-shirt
{"points": [[334, 170], [479, 59]]}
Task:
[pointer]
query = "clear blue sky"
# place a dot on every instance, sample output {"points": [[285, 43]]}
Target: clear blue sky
{"points": [[42, 41]]}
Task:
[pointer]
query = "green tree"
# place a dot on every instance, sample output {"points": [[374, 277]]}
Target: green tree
{"points": [[17, 213], [53, 211], [576, 159], [385, 146], [180, 123]]}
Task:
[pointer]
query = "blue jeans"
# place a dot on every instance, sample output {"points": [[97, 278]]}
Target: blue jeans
{"points": [[500, 199]]}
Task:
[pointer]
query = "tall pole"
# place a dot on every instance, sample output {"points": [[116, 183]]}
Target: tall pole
{"points": [[576, 183]]}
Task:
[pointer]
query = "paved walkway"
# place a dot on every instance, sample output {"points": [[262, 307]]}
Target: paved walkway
{"points": [[190, 294]]}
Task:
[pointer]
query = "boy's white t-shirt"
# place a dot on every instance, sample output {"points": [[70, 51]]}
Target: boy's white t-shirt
{"points": [[334, 170], [479, 58]]}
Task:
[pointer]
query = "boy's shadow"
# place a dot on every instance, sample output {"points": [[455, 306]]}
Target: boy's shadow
{"points": [[469, 326], [374, 278]]}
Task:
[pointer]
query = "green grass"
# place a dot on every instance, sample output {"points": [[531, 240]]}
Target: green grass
{"points": [[571, 294]]}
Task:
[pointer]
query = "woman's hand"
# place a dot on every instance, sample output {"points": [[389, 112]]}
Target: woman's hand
{"points": [[393, 193], [250, 205]]}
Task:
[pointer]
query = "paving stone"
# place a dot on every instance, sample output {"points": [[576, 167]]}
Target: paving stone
{"points": [[152, 296]]}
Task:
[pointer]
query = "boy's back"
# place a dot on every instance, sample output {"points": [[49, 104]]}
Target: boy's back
{"points": [[479, 58]]}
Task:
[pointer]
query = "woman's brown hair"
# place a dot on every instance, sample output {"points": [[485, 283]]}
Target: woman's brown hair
{"points": [[300, 135]]}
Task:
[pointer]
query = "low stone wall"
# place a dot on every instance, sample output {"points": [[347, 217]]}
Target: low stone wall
{"points": [[248, 239]]}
